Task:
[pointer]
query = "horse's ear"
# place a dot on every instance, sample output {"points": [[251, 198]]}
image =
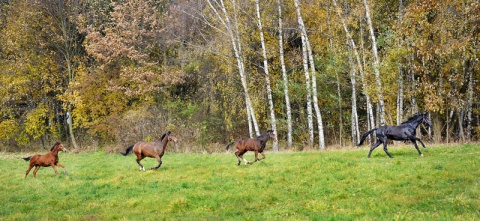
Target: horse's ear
{"points": [[169, 132]]}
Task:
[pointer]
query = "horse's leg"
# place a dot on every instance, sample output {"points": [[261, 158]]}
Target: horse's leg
{"points": [[240, 156], [416, 146], [256, 156], [159, 163], [64, 170], [416, 138], [28, 170], [55, 169], [263, 154], [373, 147], [384, 141], [139, 158], [35, 171]]}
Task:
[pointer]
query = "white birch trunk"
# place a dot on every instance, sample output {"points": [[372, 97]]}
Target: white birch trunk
{"points": [[359, 66], [376, 65], [233, 34], [400, 96], [273, 120], [354, 124], [400, 74], [470, 105], [371, 118], [285, 78], [307, 75], [321, 138]]}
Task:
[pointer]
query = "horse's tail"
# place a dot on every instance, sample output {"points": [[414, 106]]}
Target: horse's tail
{"points": [[129, 149], [27, 158], [230, 144], [365, 135]]}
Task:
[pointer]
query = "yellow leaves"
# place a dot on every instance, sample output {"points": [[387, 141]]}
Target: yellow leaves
{"points": [[8, 129], [35, 121]]}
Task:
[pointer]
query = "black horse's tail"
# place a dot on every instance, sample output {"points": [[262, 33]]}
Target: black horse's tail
{"points": [[230, 144], [365, 135], [129, 149], [27, 158]]}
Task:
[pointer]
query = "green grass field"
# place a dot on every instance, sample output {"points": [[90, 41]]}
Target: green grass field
{"points": [[329, 185]]}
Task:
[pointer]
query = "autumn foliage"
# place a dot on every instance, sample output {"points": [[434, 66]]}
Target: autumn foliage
{"points": [[118, 72]]}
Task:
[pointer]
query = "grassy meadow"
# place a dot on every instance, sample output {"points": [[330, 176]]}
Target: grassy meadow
{"points": [[329, 185]]}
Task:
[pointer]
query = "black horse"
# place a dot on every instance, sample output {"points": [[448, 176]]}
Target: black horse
{"points": [[405, 131]]}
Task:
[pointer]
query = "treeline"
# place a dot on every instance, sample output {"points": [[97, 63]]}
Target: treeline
{"points": [[319, 73]]}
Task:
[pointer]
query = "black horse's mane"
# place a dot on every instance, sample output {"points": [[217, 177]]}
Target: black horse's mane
{"points": [[265, 134], [413, 118], [57, 143], [163, 136]]}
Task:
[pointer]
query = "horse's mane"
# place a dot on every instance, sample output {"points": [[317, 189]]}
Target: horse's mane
{"points": [[163, 136], [57, 143], [265, 134], [413, 118]]}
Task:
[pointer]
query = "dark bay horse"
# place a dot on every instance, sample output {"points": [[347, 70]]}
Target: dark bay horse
{"points": [[46, 160], [252, 144], [405, 131], [151, 149]]}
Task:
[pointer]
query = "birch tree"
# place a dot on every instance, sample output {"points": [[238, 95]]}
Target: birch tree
{"points": [[337, 78], [321, 139], [308, 55], [220, 11], [376, 64], [359, 66], [284, 75], [307, 75], [400, 74], [353, 80], [267, 76]]}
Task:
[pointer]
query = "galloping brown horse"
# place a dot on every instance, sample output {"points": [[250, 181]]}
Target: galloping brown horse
{"points": [[151, 149], [49, 159], [252, 144]]}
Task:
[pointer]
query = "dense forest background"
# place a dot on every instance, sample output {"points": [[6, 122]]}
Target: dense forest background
{"points": [[95, 73]]}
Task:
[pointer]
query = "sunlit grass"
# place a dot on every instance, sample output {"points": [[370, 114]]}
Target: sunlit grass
{"points": [[338, 185]]}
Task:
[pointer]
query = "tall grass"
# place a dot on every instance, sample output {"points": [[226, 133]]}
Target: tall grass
{"points": [[331, 185]]}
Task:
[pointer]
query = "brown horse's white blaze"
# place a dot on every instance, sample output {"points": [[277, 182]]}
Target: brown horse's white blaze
{"points": [[151, 149], [46, 160], [252, 144]]}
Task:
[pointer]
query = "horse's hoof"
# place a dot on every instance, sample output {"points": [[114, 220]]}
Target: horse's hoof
{"points": [[421, 155]]}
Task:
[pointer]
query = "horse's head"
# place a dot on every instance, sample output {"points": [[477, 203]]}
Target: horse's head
{"points": [[271, 135], [171, 137], [59, 146], [426, 120]]}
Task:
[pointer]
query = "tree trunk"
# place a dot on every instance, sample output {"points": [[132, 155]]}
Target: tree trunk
{"points": [[359, 66], [321, 139], [370, 117], [400, 96], [267, 77], [376, 64], [400, 74], [355, 129], [285, 79], [337, 77], [307, 75], [233, 34], [470, 105]]}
